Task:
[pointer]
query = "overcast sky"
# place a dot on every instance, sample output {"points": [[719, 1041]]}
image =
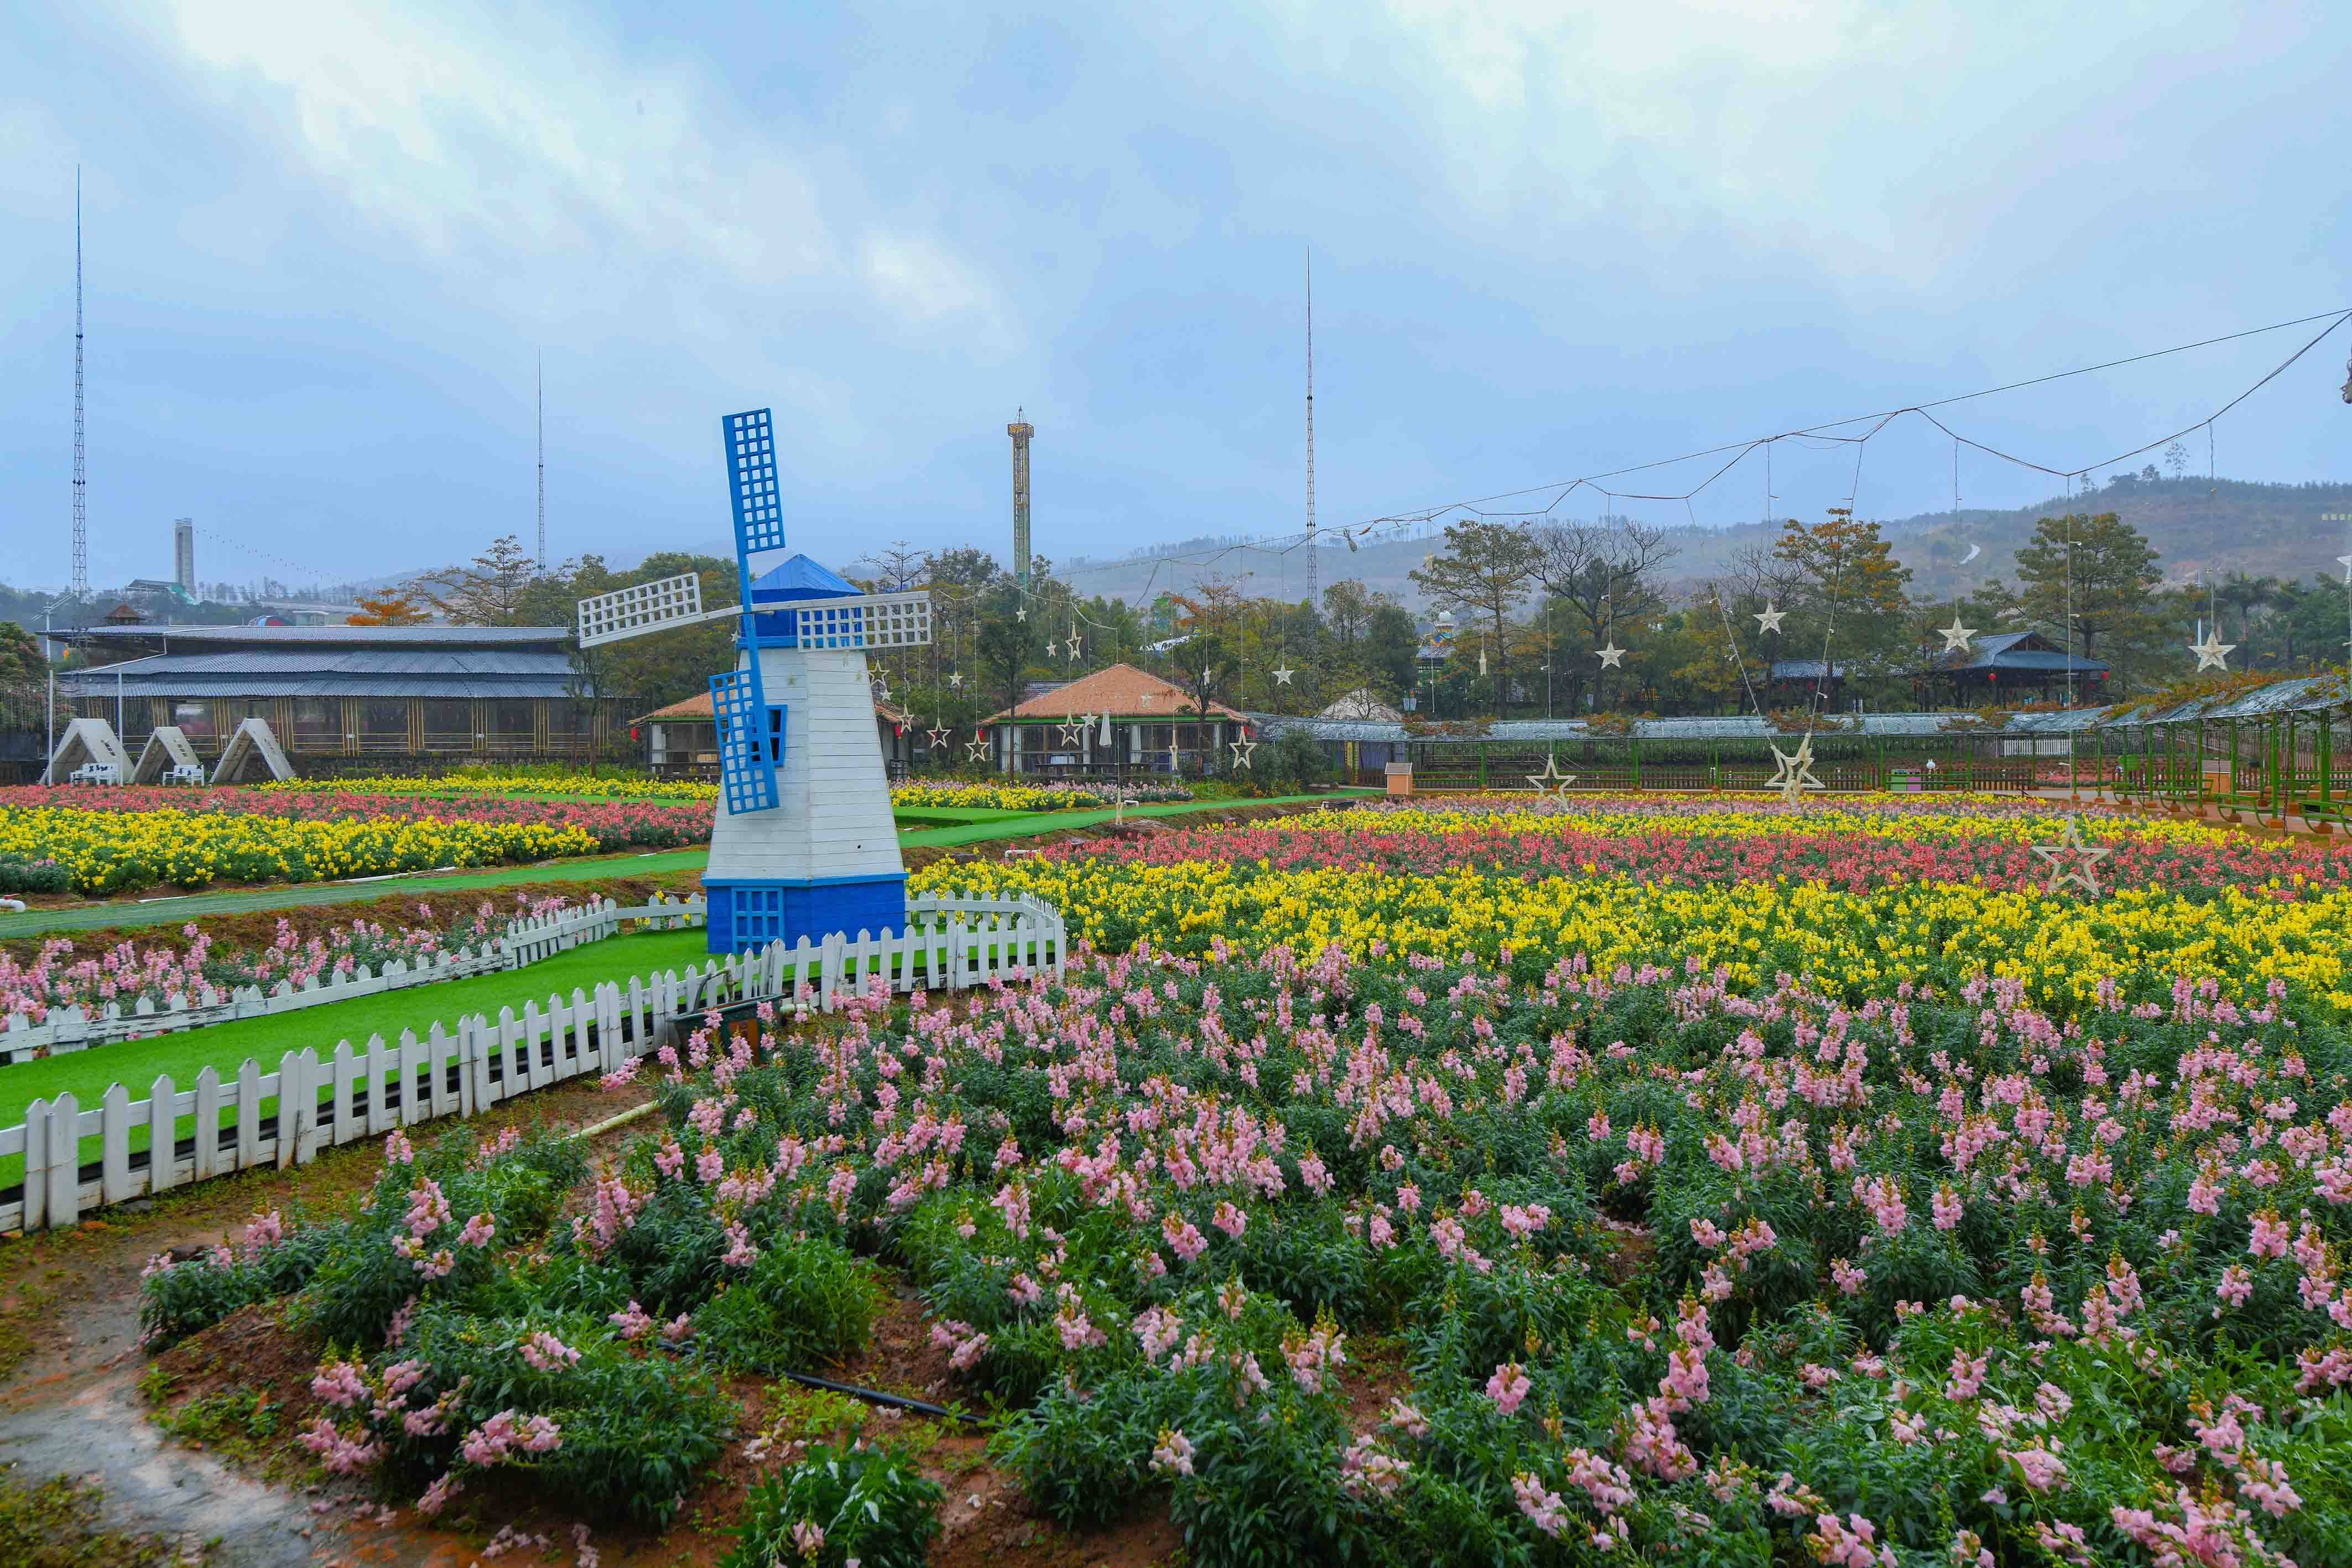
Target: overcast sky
{"points": [[325, 243]]}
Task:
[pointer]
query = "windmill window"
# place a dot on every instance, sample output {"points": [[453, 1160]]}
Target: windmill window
{"points": [[776, 732]]}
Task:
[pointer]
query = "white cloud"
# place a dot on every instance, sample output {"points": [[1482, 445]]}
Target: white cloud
{"points": [[530, 141], [1857, 134]]}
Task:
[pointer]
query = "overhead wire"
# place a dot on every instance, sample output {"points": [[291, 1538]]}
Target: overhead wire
{"points": [[1827, 431]]}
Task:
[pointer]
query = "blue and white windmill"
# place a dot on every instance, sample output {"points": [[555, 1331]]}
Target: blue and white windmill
{"points": [[803, 845]]}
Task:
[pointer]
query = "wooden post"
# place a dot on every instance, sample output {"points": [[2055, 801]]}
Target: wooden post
{"points": [[162, 1140], [64, 1161]]}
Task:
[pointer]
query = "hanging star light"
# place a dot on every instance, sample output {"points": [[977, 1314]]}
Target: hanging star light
{"points": [[940, 735], [1282, 675], [1074, 646], [881, 689], [2212, 654], [956, 679], [1796, 774], [1071, 727], [1611, 657], [2071, 860], [1022, 614], [976, 749], [1242, 749], [1551, 780], [1955, 636], [1175, 759], [1050, 646], [1769, 621]]}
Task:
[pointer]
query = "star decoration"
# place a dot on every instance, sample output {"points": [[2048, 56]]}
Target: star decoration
{"points": [[1282, 675], [1796, 774], [1242, 749], [1175, 758], [1022, 614], [976, 751], [1050, 646], [1611, 657], [1148, 698], [1955, 636], [1074, 647], [2071, 861], [881, 689], [1071, 727], [940, 737], [956, 679], [2212, 654], [1551, 780], [1769, 621]]}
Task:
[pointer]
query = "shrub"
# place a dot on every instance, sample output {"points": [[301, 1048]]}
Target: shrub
{"points": [[612, 1431], [840, 1504], [431, 1229], [798, 1306], [18, 874], [177, 1299]]}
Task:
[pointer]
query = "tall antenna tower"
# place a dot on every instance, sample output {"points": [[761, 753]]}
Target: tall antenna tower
{"points": [[1021, 430], [1313, 599], [80, 477], [542, 464]]}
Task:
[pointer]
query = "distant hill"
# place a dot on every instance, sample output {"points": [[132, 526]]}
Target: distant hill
{"points": [[2234, 525]]}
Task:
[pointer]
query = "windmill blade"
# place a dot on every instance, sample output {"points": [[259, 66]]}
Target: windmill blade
{"points": [[648, 607], [746, 727], [872, 620], [751, 480]]}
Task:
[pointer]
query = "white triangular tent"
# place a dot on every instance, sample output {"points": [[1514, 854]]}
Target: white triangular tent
{"points": [[86, 741], [167, 754], [253, 743]]}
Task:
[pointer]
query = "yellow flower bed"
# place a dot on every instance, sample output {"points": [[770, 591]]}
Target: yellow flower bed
{"points": [[1854, 944], [109, 852], [1877, 816]]}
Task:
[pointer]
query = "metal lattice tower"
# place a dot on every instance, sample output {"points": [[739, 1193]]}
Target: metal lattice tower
{"points": [[81, 477], [1313, 599], [1021, 430]]}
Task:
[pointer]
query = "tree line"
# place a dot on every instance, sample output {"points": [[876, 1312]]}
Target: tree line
{"points": [[1524, 616]]}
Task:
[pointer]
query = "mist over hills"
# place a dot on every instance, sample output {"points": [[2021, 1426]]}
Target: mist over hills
{"points": [[2221, 527]]}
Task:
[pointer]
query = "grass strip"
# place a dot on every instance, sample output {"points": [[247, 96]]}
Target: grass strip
{"points": [[88, 1074]]}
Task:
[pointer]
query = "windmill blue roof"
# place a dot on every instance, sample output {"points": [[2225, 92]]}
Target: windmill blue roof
{"points": [[801, 578]]}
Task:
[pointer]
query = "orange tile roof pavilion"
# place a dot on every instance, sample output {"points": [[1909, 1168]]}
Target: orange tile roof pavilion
{"points": [[1127, 694]]}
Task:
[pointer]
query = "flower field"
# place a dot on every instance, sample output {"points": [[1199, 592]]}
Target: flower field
{"points": [[1849, 898], [60, 975], [1397, 1193], [553, 779], [114, 841], [1032, 797]]}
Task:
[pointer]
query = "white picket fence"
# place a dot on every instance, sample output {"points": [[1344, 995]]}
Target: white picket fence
{"points": [[525, 941], [236, 1122]]}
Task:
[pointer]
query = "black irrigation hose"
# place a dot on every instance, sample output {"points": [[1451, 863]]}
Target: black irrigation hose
{"points": [[871, 1395], [876, 1396]]}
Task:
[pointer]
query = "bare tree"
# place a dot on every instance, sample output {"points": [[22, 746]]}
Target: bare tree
{"points": [[1602, 572]]}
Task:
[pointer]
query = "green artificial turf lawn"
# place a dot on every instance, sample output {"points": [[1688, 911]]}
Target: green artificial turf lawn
{"points": [[135, 1064]]}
